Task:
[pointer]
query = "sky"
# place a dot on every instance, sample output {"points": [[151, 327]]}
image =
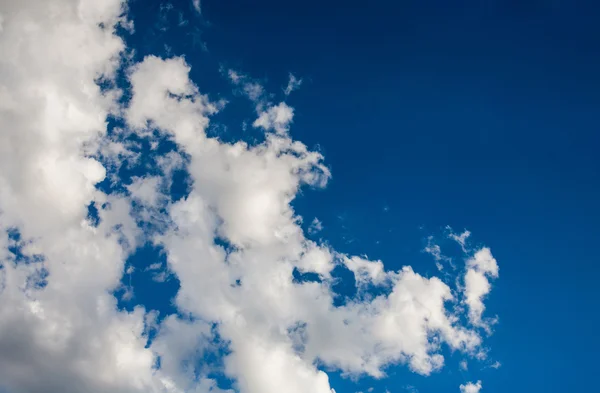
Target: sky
{"points": [[264, 197]]}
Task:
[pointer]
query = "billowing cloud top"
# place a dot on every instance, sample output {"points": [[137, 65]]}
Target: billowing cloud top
{"points": [[234, 242]]}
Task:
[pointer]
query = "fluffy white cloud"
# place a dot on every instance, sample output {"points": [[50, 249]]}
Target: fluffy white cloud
{"points": [[366, 271], [277, 117], [244, 195], [60, 329], [480, 267], [471, 387]]}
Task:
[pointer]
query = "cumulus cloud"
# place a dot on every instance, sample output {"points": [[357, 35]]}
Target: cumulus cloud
{"points": [[471, 387], [481, 267], [59, 327], [277, 117], [234, 242]]}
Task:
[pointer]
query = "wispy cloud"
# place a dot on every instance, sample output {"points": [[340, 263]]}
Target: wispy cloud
{"points": [[293, 84], [196, 4]]}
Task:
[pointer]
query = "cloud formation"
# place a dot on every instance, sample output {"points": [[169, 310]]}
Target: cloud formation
{"points": [[233, 242], [293, 84], [471, 387]]}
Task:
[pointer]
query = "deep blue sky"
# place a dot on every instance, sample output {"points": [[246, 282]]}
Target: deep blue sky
{"points": [[480, 115]]}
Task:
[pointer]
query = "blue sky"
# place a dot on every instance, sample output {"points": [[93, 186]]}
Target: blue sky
{"points": [[433, 119]]}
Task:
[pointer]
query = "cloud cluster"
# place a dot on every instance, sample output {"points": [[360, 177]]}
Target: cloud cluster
{"points": [[59, 327], [234, 241]]}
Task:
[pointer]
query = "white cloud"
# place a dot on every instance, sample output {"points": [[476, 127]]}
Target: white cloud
{"points": [[278, 118], [161, 96], [154, 266], [436, 252], [293, 84], [196, 4], [471, 387], [484, 262], [479, 268], [179, 341], [68, 335], [249, 87], [366, 271], [234, 76], [461, 238], [254, 91], [315, 227]]}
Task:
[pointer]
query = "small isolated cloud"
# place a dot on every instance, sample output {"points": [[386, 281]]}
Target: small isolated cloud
{"points": [[463, 365], [461, 238], [471, 387], [160, 276], [411, 389], [480, 268], [435, 251], [154, 266], [196, 4], [293, 84], [254, 91], [277, 118], [315, 227], [234, 76], [249, 87]]}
